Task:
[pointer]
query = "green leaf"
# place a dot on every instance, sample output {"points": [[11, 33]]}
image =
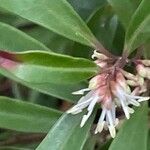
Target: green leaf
{"points": [[138, 31], [67, 134], [148, 143], [22, 116], [85, 8], [90, 143], [147, 51], [57, 43], [53, 88], [30, 66], [124, 9], [58, 90], [14, 40], [133, 134], [57, 16], [105, 26]]}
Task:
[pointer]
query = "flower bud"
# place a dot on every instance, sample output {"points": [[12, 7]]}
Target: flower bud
{"points": [[132, 83], [145, 62], [99, 56], [147, 72], [97, 81], [101, 64], [93, 83], [141, 70], [129, 76]]}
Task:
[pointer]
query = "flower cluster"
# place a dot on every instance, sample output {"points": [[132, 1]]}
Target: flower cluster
{"points": [[111, 90]]}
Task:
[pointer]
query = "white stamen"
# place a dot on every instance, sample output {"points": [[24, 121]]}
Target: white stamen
{"points": [[90, 109], [140, 98], [79, 106], [134, 102], [123, 101], [76, 112], [101, 122], [116, 121], [112, 131], [131, 111], [80, 92], [143, 99], [110, 118], [113, 111], [92, 104], [99, 127], [86, 97]]}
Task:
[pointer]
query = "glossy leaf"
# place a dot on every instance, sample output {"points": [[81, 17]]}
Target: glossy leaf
{"points": [[57, 16], [124, 9], [138, 32], [58, 90], [57, 43], [43, 67], [107, 28], [22, 116], [14, 40], [86, 8], [52, 88], [67, 134], [133, 134]]}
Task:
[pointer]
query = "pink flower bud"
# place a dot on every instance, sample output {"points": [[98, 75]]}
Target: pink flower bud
{"points": [[97, 81]]}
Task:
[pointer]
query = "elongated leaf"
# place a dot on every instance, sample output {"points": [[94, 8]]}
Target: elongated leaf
{"points": [[22, 116], [133, 134], [124, 9], [57, 16], [104, 24], [90, 143], [43, 67], [57, 43], [67, 134], [147, 50], [58, 90], [148, 143], [55, 89], [14, 40], [86, 7], [138, 32]]}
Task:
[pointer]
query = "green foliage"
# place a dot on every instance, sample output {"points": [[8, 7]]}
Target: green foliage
{"points": [[10, 36], [120, 7], [66, 23], [69, 132], [45, 48], [54, 68], [26, 117], [138, 31], [133, 134]]}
